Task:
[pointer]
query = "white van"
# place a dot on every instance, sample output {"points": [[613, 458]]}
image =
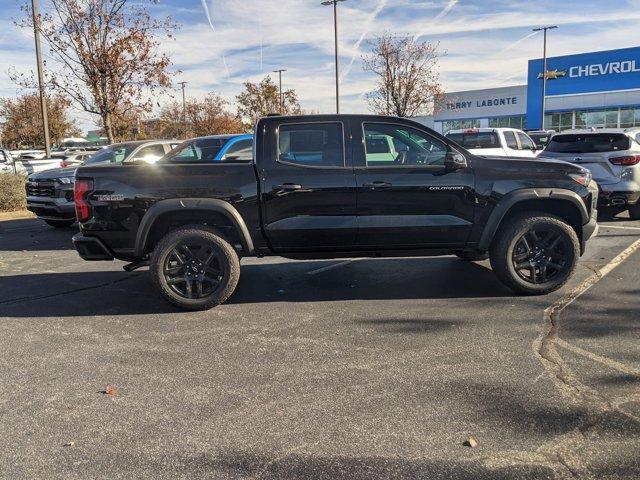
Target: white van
{"points": [[496, 142]]}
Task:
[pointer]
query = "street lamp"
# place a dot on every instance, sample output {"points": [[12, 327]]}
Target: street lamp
{"points": [[279, 72], [184, 109], [335, 30], [544, 70], [35, 10]]}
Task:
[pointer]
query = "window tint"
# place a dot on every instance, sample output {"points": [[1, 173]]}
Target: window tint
{"points": [[200, 150], [241, 151], [525, 142], [112, 154], [396, 145], [311, 144], [150, 154], [589, 143], [510, 138], [473, 139]]}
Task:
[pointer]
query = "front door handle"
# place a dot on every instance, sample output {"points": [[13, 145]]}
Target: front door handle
{"points": [[377, 184], [288, 187]]}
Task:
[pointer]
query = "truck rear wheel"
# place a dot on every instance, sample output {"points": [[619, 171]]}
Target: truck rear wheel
{"points": [[195, 268], [535, 254]]}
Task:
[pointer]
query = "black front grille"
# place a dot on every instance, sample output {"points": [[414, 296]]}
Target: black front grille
{"points": [[40, 189]]}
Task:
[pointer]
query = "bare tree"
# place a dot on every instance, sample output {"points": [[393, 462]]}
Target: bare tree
{"points": [[23, 126], [408, 78], [107, 55], [260, 99]]}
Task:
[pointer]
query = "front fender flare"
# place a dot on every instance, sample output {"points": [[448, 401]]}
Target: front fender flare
{"points": [[184, 204], [517, 196]]}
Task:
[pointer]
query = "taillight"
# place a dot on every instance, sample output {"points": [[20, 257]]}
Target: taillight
{"points": [[80, 191], [626, 161], [63, 164]]}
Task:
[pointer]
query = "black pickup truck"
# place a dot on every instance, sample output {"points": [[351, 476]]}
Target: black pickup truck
{"points": [[332, 186]]}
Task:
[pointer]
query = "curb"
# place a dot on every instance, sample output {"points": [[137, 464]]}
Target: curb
{"points": [[17, 215]]}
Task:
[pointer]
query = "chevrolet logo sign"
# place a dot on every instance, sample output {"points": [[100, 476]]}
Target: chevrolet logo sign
{"points": [[553, 74]]}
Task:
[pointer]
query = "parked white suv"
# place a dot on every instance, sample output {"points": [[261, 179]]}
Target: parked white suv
{"points": [[612, 155], [495, 142]]}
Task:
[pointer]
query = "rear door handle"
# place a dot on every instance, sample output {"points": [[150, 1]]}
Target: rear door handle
{"points": [[377, 184], [288, 187]]}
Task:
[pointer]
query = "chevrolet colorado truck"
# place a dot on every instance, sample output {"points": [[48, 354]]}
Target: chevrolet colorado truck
{"points": [[325, 186]]}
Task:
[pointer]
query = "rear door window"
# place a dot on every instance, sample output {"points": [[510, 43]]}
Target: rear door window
{"points": [[510, 138], [474, 140], [241, 151], [589, 143], [311, 144]]}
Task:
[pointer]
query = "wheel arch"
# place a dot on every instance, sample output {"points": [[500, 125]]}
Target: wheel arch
{"points": [[188, 211], [563, 203]]}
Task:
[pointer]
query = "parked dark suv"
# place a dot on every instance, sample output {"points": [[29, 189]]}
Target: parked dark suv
{"points": [[318, 187]]}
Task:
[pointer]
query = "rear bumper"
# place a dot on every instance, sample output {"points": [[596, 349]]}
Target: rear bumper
{"points": [[610, 198], [91, 248]]}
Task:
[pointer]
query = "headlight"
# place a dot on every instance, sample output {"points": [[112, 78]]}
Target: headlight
{"points": [[583, 178], [65, 180]]}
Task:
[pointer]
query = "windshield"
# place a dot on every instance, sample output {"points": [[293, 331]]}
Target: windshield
{"points": [[589, 143], [112, 154], [195, 151], [472, 140]]}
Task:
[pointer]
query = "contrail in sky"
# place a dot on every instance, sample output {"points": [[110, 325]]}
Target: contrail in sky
{"points": [[356, 46], [208, 14], [516, 43], [445, 11]]}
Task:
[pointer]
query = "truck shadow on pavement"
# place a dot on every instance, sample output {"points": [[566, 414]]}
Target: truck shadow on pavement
{"points": [[121, 293]]}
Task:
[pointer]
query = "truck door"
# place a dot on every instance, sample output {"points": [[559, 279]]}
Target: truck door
{"points": [[307, 186], [413, 200]]}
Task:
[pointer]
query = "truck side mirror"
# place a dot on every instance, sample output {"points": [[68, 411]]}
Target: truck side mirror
{"points": [[455, 161]]}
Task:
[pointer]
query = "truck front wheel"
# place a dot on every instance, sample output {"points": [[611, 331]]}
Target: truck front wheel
{"points": [[535, 254], [194, 268]]}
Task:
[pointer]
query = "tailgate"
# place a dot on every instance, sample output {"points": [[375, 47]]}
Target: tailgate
{"points": [[604, 172]]}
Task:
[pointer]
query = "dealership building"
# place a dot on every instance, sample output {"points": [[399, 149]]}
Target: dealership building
{"points": [[599, 89]]}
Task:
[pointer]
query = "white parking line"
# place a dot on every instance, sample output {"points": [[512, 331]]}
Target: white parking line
{"points": [[607, 362], [331, 267], [619, 227]]}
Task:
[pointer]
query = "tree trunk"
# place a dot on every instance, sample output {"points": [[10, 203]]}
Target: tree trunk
{"points": [[108, 127]]}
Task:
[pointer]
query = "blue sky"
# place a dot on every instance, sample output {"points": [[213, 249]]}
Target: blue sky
{"points": [[487, 43]]}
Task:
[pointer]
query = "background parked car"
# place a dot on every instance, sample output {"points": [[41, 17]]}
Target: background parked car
{"points": [[612, 155], [50, 193], [495, 142], [8, 164], [215, 148]]}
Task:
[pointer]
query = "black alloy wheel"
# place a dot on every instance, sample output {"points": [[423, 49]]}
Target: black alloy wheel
{"points": [[193, 269], [541, 254], [535, 253]]}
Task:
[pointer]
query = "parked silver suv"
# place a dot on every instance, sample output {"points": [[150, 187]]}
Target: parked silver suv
{"points": [[612, 155]]}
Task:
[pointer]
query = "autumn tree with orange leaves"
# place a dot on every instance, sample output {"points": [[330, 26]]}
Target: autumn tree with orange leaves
{"points": [[105, 55]]}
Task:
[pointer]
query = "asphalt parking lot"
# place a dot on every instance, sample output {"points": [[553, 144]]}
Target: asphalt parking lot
{"points": [[373, 368]]}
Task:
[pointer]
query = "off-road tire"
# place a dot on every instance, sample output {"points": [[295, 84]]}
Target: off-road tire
{"points": [[473, 256], [228, 259], [60, 223], [509, 235]]}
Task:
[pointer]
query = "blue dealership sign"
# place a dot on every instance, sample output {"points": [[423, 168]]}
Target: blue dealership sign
{"points": [[595, 72]]}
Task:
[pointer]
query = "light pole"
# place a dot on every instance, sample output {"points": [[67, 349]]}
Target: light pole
{"points": [[184, 109], [335, 31], [544, 70], [279, 72], [35, 9]]}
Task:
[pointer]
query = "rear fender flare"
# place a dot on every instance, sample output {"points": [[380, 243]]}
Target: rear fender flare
{"points": [[184, 204], [513, 198]]}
